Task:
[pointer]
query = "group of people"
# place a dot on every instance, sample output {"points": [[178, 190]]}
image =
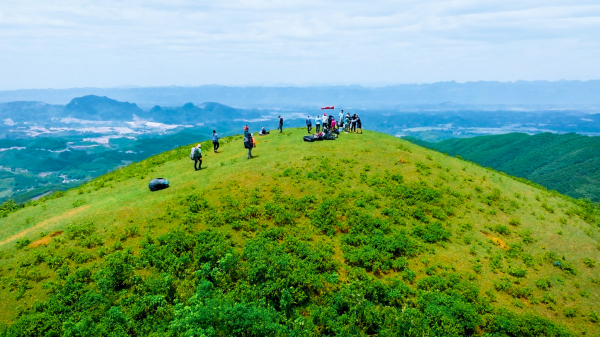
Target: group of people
{"points": [[345, 122]]}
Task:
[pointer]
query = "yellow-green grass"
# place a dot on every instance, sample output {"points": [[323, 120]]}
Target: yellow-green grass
{"points": [[114, 205]]}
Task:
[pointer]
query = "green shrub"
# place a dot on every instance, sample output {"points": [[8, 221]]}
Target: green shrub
{"points": [[132, 231], [517, 272], [501, 229], [22, 243], [548, 298], [514, 222], [8, 207], [570, 312], [543, 283], [432, 233], [589, 262], [117, 272]]}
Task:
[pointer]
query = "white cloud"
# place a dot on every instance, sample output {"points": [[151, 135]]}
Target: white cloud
{"points": [[110, 43]]}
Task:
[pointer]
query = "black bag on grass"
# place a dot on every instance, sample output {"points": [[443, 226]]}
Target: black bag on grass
{"points": [[309, 139], [158, 184]]}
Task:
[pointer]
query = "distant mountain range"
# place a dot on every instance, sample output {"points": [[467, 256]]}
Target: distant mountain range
{"points": [[96, 108], [480, 93], [568, 163]]}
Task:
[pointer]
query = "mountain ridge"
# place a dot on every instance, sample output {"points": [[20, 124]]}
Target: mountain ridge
{"points": [[568, 163], [482, 92]]}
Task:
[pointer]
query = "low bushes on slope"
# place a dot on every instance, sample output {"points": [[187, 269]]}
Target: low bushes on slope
{"points": [[359, 251]]}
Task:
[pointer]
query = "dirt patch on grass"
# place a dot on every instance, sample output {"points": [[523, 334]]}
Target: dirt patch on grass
{"points": [[45, 223], [45, 240], [497, 241]]}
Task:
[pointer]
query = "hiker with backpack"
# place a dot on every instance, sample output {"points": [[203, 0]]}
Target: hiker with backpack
{"points": [[215, 140], [248, 142], [196, 156], [280, 128], [318, 124], [308, 124]]}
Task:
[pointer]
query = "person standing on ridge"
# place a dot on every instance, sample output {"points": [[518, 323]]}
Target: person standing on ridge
{"points": [[318, 123], [197, 156], [347, 122], [353, 121], [341, 119], [325, 120], [308, 124], [358, 124], [280, 124], [248, 141], [215, 140]]}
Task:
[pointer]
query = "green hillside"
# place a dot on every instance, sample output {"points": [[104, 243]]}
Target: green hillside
{"points": [[568, 163], [365, 235]]}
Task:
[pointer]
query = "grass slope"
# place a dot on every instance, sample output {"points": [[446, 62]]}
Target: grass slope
{"points": [[365, 235], [567, 163]]}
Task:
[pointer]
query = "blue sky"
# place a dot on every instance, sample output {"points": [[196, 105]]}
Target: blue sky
{"points": [[61, 43]]}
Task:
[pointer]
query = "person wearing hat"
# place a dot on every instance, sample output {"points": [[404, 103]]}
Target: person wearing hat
{"points": [[347, 122], [325, 119], [248, 141], [198, 158]]}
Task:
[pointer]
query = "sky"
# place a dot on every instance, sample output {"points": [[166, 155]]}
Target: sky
{"points": [[109, 43]]}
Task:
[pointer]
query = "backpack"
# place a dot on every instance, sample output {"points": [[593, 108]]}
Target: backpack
{"points": [[158, 184], [195, 154], [309, 139]]}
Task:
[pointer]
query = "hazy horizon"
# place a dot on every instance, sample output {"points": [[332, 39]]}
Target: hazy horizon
{"points": [[291, 85]]}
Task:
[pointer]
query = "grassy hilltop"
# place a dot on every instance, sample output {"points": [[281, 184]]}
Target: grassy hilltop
{"points": [[364, 235]]}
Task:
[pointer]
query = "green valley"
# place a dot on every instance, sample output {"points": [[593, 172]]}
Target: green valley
{"points": [[365, 235], [568, 163]]}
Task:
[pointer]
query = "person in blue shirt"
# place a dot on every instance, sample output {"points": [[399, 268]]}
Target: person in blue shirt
{"points": [[308, 124], [215, 140]]}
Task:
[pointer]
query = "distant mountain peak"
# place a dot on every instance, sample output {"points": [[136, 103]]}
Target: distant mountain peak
{"points": [[101, 107]]}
